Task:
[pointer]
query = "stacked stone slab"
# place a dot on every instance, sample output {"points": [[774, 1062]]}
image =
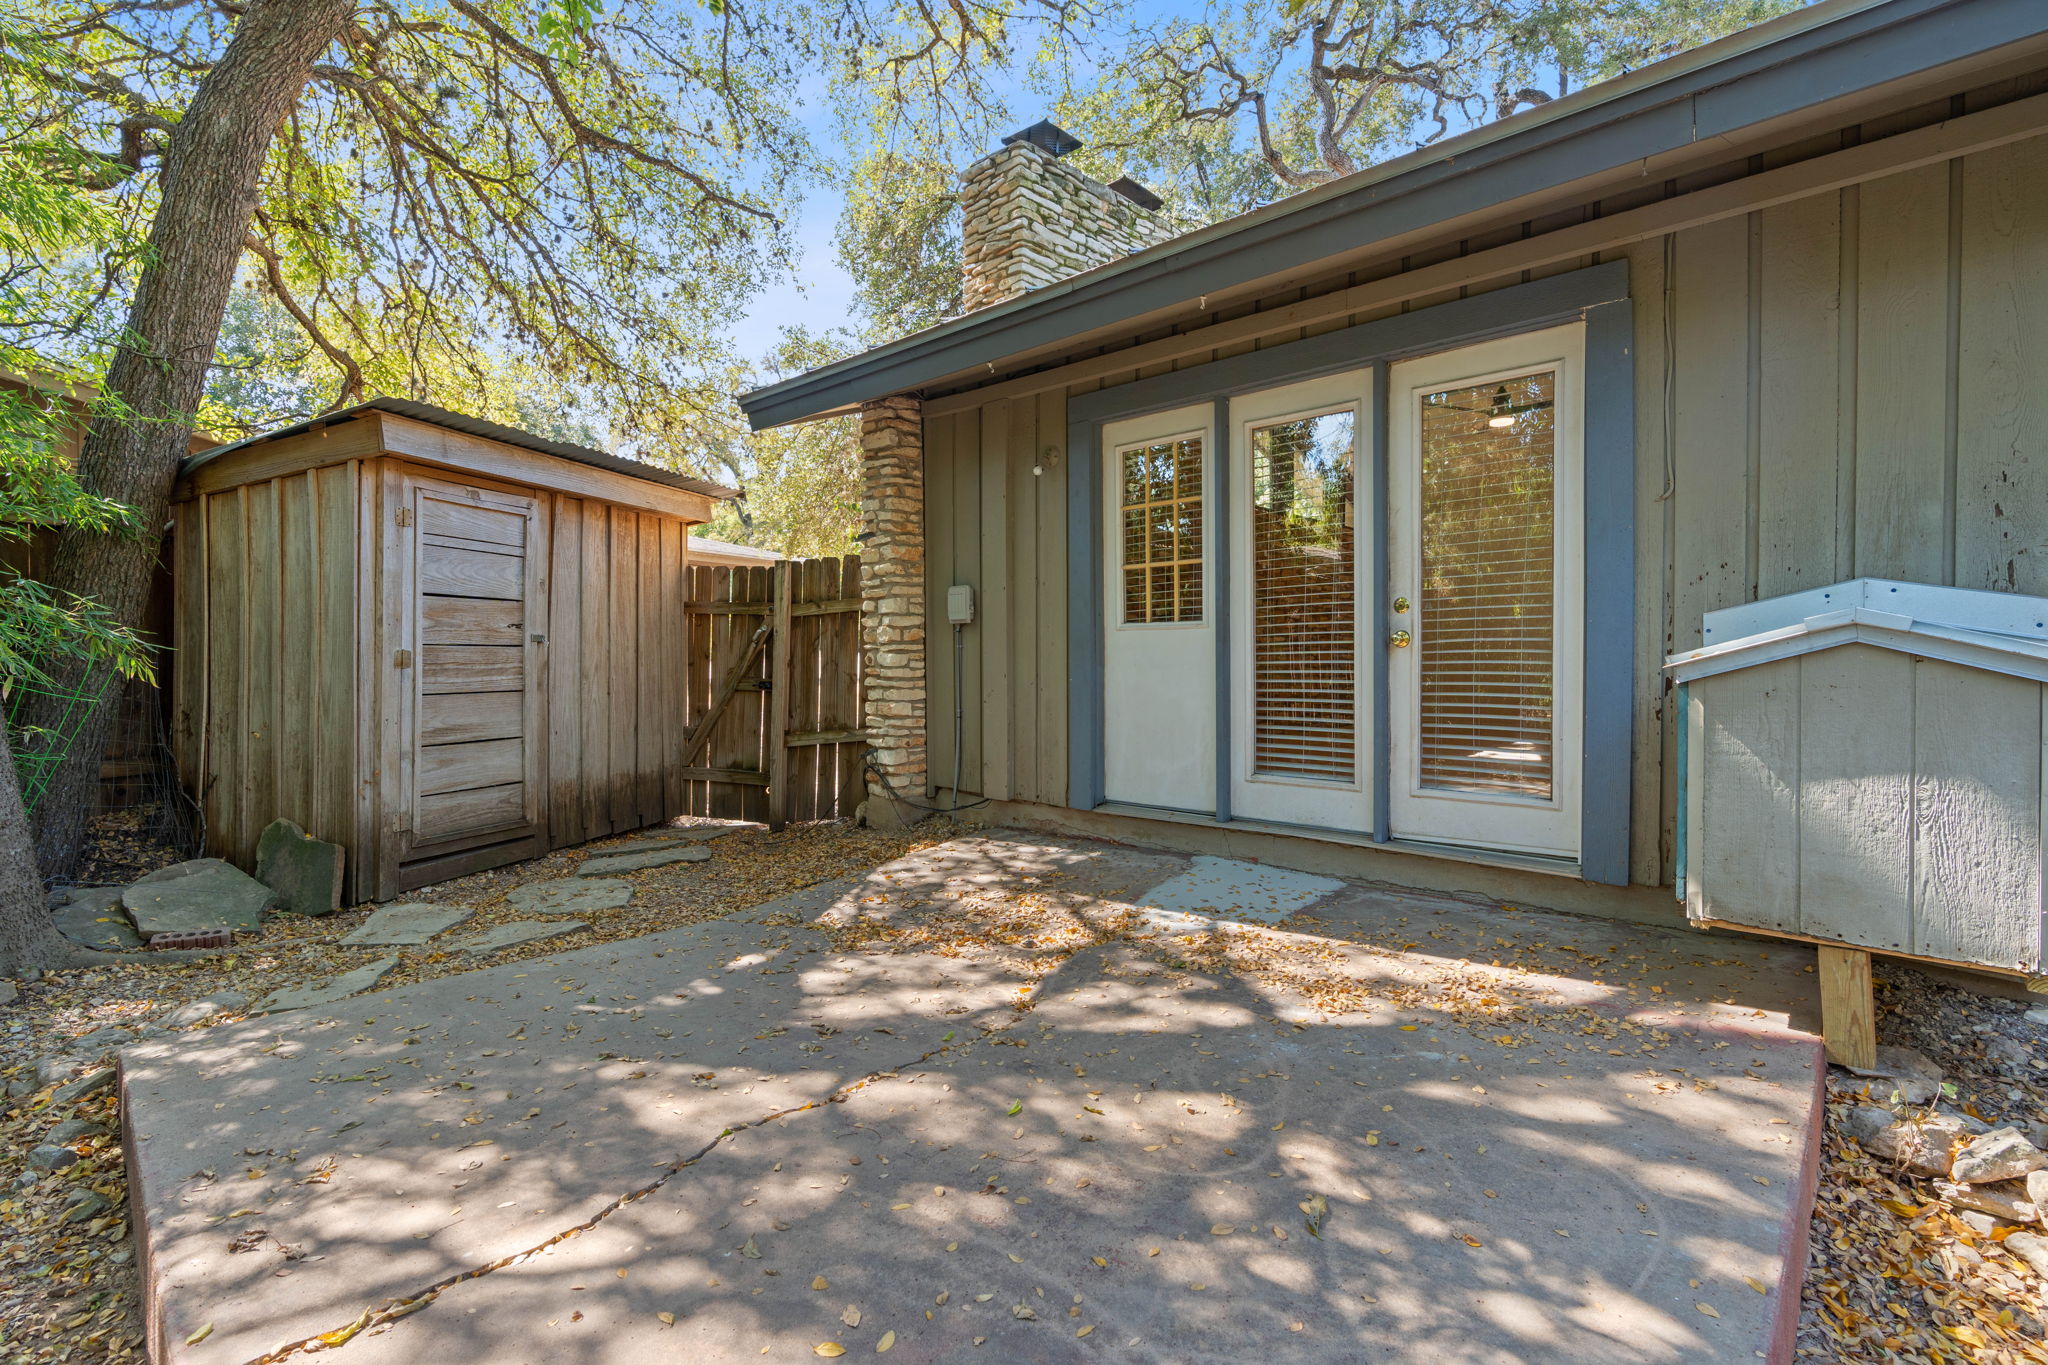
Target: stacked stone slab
{"points": [[892, 607], [1029, 219]]}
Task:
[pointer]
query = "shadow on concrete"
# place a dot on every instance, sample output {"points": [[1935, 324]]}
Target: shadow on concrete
{"points": [[987, 1106]]}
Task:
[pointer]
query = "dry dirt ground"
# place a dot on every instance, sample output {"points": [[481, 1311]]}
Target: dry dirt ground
{"points": [[1894, 1275]]}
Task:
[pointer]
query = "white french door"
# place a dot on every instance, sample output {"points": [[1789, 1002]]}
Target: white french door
{"points": [[1159, 611], [1485, 579], [1301, 578]]}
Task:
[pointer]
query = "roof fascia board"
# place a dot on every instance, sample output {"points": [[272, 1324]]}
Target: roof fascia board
{"points": [[1859, 50], [1993, 653]]}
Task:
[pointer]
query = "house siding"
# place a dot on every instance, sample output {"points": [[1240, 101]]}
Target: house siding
{"points": [[1843, 384]]}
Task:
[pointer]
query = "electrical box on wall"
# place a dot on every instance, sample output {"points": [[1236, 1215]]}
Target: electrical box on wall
{"points": [[960, 604]]}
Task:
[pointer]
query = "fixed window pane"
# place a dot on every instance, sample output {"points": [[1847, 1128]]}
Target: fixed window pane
{"points": [[1489, 586], [1161, 521], [1303, 583]]}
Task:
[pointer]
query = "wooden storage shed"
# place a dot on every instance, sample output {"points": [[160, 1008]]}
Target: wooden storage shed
{"points": [[442, 643]]}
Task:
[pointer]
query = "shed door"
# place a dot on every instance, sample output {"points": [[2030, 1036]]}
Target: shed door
{"points": [[476, 698]]}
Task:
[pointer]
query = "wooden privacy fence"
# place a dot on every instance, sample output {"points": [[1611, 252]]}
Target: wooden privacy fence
{"points": [[773, 706]]}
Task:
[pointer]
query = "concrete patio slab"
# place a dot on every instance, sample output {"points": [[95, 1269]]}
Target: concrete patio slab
{"points": [[977, 1081], [571, 895]]}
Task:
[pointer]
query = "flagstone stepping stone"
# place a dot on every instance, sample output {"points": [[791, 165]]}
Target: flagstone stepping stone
{"points": [[205, 893], [501, 936], [326, 993], [94, 918], [570, 896], [1231, 889], [665, 836], [639, 860], [406, 924], [304, 872]]}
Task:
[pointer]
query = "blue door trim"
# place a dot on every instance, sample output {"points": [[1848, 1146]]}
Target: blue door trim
{"points": [[1599, 296]]}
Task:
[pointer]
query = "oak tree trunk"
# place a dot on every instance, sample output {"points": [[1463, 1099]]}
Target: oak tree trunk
{"points": [[28, 937], [211, 172]]}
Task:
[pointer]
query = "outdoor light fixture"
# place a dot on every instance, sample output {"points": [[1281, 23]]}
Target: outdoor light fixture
{"points": [[1503, 411]]}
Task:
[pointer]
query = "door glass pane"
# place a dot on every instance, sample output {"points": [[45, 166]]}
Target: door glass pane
{"points": [[1162, 532], [1304, 669], [1488, 586]]}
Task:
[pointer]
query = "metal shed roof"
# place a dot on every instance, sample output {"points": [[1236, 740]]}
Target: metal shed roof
{"points": [[475, 426], [1825, 52], [2001, 631]]}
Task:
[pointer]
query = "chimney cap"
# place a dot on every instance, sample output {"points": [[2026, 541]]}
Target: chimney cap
{"points": [[1136, 193], [1047, 136]]}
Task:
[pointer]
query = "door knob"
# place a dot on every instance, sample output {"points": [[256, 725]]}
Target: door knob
{"points": [[1400, 605], [1400, 639]]}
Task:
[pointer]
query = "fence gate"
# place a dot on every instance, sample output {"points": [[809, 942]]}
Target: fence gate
{"points": [[774, 700]]}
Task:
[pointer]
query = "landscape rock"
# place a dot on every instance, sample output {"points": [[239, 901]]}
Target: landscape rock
{"points": [[2037, 1015], [103, 1040], [204, 893], [407, 924], [50, 1070], [92, 1206], [607, 864], [2001, 1154], [2001, 1201], [71, 1130], [200, 1010], [2031, 1248], [664, 836], [50, 1157], [2037, 1192], [502, 936], [1904, 1072], [1866, 1121], [1921, 1144], [325, 993], [92, 916], [304, 872], [91, 1083], [8, 992], [570, 896]]}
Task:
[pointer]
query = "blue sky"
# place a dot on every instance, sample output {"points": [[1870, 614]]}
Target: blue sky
{"points": [[819, 293]]}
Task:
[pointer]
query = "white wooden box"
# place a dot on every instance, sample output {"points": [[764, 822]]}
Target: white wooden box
{"points": [[1864, 764]]}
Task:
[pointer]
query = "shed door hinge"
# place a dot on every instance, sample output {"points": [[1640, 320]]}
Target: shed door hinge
{"points": [[405, 516], [402, 659]]}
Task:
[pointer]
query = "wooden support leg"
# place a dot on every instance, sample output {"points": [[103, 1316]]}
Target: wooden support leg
{"points": [[1848, 1018]]}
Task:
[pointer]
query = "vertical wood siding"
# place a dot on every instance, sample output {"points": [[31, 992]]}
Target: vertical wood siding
{"points": [[1841, 385], [617, 587], [1874, 798], [265, 669]]}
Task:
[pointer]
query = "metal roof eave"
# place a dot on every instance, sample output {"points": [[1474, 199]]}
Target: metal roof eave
{"points": [[1826, 52], [476, 426]]}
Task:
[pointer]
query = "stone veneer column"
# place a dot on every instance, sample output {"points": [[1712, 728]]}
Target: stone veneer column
{"points": [[892, 607]]}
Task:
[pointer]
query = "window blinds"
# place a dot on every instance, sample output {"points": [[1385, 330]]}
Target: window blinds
{"points": [[1488, 586], [1304, 607]]}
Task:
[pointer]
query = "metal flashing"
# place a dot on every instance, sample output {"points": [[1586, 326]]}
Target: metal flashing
{"points": [[473, 426]]}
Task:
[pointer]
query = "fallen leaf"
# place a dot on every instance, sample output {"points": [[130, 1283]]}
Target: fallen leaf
{"points": [[1469, 1240], [820, 1282], [828, 1349], [888, 1340], [1014, 1109], [1708, 1309], [200, 1335], [667, 1318], [1754, 1283], [850, 1316]]}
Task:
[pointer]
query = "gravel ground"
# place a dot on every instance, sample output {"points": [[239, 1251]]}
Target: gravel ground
{"points": [[67, 1278], [1896, 1273]]}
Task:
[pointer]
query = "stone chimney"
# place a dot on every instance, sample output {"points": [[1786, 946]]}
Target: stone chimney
{"points": [[1028, 219]]}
